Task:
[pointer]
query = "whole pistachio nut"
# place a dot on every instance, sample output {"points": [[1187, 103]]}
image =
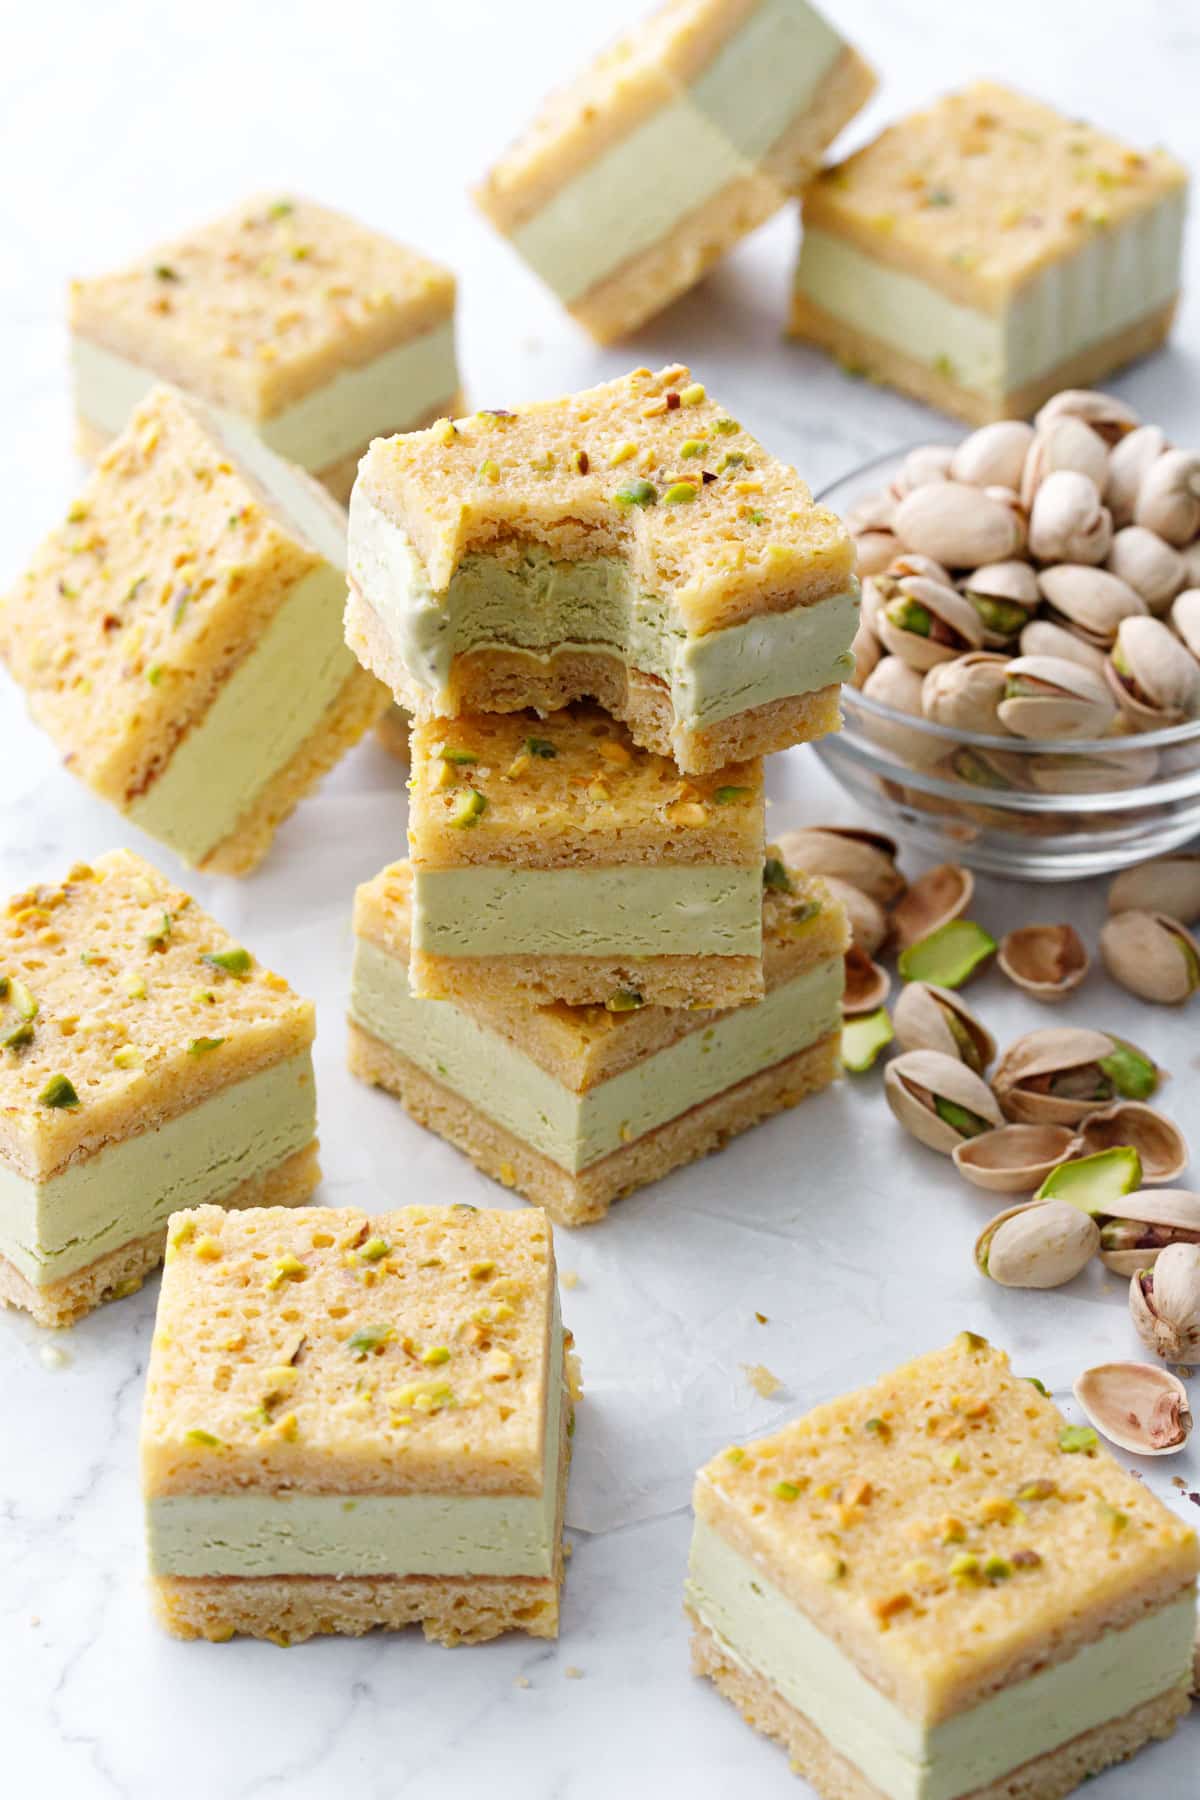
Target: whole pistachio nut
{"points": [[867, 919], [948, 956], [1004, 594], [1154, 679], [1167, 884], [897, 686], [863, 1038], [874, 550], [1168, 500], [994, 455], [1139, 1227], [911, 562], [1013, 1159], [1096, 773], [1064, 442], [1138, 1407], [1091, 601], [926, 622], [1068, 522], [866, 651], [1041, 637], [1047, 961], [1165, 1303], [924, 464], [1095, 1184], [992, 770], [959, 525], [1151, 566], [1107, 415], [1128, 465], [1060, 1074], [938, 1099], [966, 693], [864, 859], [867, 985], [1152, 956], [939, 895], [1047, 697], [1160, 1145], [1185, 619], [1041, 1244], [935, 1018]]}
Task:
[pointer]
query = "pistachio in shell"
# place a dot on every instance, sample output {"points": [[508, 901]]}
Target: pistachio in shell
{"points": [[934, 1018], [894, 684], [1154, 678], [1068, 523], [1185, 619], [1048, 697], [867, 919], [959, 525], [1168, 499], [1005, 595], [966, 693], [1013, 1159], [1128, 464], [1152, 956], [1092, 601], [874, 550], [863, 1037], [925, 622], [1063, 442], [1047, 961], [939, 1099], [993, 456], [923, 464], [1106, 415], [865, 859], [1161, 1147], [1137, 1406], [1041, 637], [1164, 1303], [1095, 1184], [867, 985], [1040, 1244], [1144, 1224], [1152, 567], [1167, 884], [866, 651], [941, 894], [1096, 773], [1058, 1075], [948, 956]]}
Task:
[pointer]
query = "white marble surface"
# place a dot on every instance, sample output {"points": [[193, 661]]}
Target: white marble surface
{"points": [[117, 124]]}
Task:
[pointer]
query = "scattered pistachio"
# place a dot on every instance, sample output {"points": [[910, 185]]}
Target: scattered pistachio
{"points": [[948, 956], [1094, 1184], [1164, 1303], [1078, 1440], [1041, 1244], [636, 493], [776, 879], [469, 809], [231, 962], [59, 1091], [200, 1045], [863, 1038]]}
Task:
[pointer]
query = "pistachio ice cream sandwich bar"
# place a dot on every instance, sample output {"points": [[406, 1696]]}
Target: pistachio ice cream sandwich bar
{"points": [[357, 1421], [987, 251], [631, 544], [678, 140], [296, 324], [936, 1588], [179, 635], [552, 859], [147, 1061], [575, 1106]]}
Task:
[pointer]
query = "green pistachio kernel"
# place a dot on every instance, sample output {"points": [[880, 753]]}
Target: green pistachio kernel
{"points": [[910, 615], [537, 746], [972, 1341], [1131, 1072], [878, 1428], [233, 962], [680, 493], [776, 878], [22, 999], [726, 427], [1113, 1517], [1095, 1184], [20, 1034], [965, 1569], [279, 209], [157, 939], [725, 796], [805, 911], [58, 1091], [164, 272], [375, 1249], [786, 1490], [624, 1000], [435, 1356], [461, 758], [971, 767], [1003, 617], [735, 1454], [1039, 1489], [968, 1124], [997, 1568], [199, 1046], [636, 493], [369, 1340], [863, 1038], [1036, 1382], [154, 674], [203, 1438], [1075, 1438], [470, 809], [949, 955], [732, 459], [288, 1268], [692, 447], [488, 471]]}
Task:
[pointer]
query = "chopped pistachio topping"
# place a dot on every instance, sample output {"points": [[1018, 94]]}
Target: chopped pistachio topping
{"points": [[58, 1091], [232, 962], [726, 427], [725, 796], [1075, 1438], [488, 471], [369, 1340], [375, 1249], [435, 1355], [479, 1271], [692, 447], [205, 1438], [470, 809], [157, 939], [20, 1034], [22, 999], [288, 1268], [201, 1045], [786, 1490], [624, 1000], [693, 395], [1038, 1383], [680, 493], [636, 493], [878, 1428], [537, 746], [735, 1454], [776, 878]]}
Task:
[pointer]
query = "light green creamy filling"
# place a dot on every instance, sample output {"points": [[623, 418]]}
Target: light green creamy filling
{"points": [[342, 415], [575, 1130], [906, 1760], [1119, 276], [539, 606], [253, 1534], [626, 910], [49, 1229], [715, 132]]}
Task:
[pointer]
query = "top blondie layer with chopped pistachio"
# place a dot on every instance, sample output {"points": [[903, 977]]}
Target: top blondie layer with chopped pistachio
{"points": [[264, 305], [122, 1004], [570, 790], [334, 1352], [979, 191], [647, 468], [947, 1528]]}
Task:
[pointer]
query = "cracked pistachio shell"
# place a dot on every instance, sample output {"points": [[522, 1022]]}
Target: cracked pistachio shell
{"points": [[1095, 1184], [1152, 956], [1164, 1303], [1043, 638], [1153, 678], [993, 456], [1161, 1147], [1168, 884], [874, 550], [864, 859], [1138, 1407], [867, 919], [1151, 566], [938, 1099], [1185, 619], [1047, 961], [897, 686], [1091, 601], [867, 985], [1107, 415], [1013, 1159], [1067, 521], [925, 622], [1128, 465], [961, 526], [1060, 1074], [1041, 1244], [965, 693], [1048, 697], [934, 1018], [1063, 442], [948, 956], [1168, 500], [863, 1038], [1143, 1224], [933, 899]]}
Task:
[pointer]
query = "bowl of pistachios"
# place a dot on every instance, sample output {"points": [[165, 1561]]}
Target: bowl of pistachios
{"points": [[1026, 693]]}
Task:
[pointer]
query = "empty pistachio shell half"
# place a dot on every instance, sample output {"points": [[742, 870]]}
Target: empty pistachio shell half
{"points": [[1151, 566], [1068, 522], [925, 622], [948, 956], [1164, 1303], [994, 455], [938, 1099], [1013, 1159], [1136, 1406], [1095, 1184], [1185, 619], [1048, 697], [868, 921], [1058, 1075], [941, 894], [959, 525], [1092, 601], [1152, 956], [1107, 415], [1041, 1244], [1168, 884], [1047, 961], [1160, 1145], [867, 985], [1168, 500], [966, 693], [863, 1038], [934, 1018], [1144, 1224], [864, 859], [1043, 638]]}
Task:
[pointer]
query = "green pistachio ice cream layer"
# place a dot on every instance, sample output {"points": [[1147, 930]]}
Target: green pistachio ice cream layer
{"points": [[538, 605], [576, 1130]]}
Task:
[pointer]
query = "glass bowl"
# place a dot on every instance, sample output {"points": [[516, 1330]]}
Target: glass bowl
{"points": [[1049, 811]]}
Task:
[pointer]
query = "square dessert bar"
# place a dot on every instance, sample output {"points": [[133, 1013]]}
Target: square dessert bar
{"points": [[576, 1106], [179, 635], [306, 328], [356, 1421], [678, 140], [147, 1061], [630, 544], [987, 251], [935, 1587], [552, 859]]}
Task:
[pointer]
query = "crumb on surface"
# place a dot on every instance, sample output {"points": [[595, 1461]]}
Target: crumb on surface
{"points": [[568, 1278], [761, 1379]]}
